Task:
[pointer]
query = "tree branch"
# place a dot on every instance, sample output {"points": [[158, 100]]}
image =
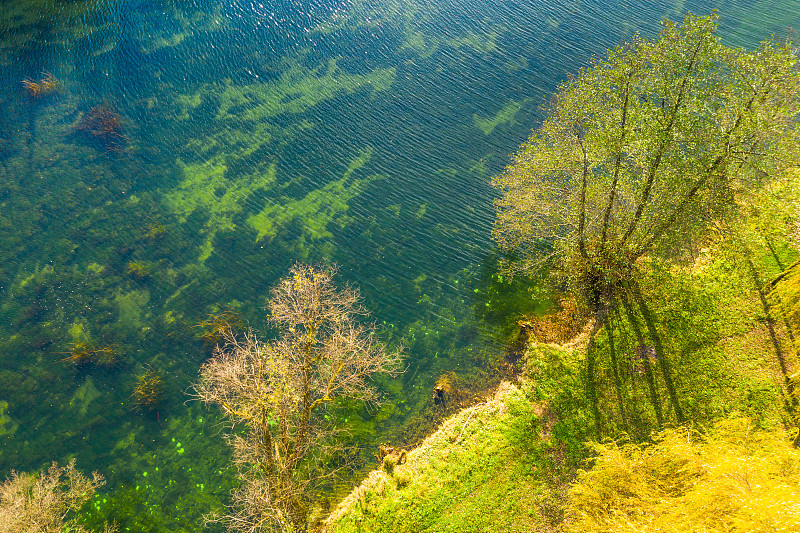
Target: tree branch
{"points": [[617, 164], [665, 141]]}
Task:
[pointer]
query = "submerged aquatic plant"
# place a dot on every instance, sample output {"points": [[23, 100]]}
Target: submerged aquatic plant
{"points": [[103, 124], [216, 327], [155, 230], [46, 86], [148, 393], [139, 270], [82, 354], [445, 389]]}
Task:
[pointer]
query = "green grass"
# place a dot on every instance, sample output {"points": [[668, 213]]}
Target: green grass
{"points": [[470, 475]]}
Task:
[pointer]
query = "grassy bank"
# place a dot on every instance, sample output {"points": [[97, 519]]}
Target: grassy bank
{"points": [[525, 459], [470, 475]]}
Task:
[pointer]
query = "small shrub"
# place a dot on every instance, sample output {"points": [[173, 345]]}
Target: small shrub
{"points": [[734, 479], [46, 503]]}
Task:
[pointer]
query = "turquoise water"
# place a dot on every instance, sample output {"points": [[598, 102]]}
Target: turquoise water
{"points": [[251, 136]]}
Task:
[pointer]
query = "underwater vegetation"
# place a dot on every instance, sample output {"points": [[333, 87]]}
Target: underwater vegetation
{"points": [[504, 116], [45, 86], [7, 425], [155, 230], [139, 270], [149, 390], [82, 354], [214, 329], [103, 125], [446, 390]]}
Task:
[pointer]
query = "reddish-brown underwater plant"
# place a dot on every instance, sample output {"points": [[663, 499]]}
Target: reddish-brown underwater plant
{"points": [[103, 125], [81, 354], [43, 87], [148, 392]]}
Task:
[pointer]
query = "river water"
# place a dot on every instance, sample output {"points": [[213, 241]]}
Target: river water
{"points": [[188, 153]]}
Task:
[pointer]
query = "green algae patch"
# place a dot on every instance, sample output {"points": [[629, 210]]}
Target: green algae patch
{"points": [[126, 442], [318, 208], [505, 116], [7, 425], [468, 476], [417, 22], [185, 103], [295, 91], [205, 188], [420, 44], [180, 25], [37, 277], [85, 395], [78, 331], [197, 189], [132, 310], [425, 46], [483, 44], [95, 269]]}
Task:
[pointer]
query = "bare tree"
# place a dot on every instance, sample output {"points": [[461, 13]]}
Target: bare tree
{"points": [[278, 391], [46, 503]]}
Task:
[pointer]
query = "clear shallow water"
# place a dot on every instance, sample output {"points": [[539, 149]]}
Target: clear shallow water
{"points": [[253, 136]]}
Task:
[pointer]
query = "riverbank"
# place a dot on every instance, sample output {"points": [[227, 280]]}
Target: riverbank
{"points": [[469, 475]]}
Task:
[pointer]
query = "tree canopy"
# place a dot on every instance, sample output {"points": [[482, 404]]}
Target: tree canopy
{"points": [[47, 502], [639, 156], [643, 148]]}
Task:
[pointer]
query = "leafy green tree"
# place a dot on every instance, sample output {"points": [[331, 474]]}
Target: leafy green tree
{"points": [[639, 153], [277, 393]]}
